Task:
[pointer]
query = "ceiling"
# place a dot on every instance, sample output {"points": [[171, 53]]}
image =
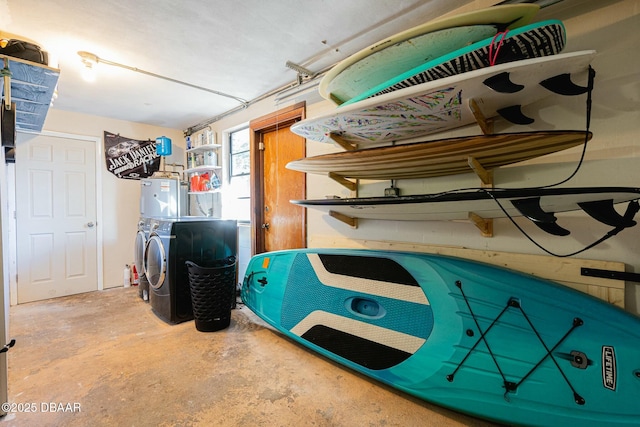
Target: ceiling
{"points": [[239, 48]]}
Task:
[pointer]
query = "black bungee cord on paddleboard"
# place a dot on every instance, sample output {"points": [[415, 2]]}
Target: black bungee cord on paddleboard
{"points": [[513, 304]]}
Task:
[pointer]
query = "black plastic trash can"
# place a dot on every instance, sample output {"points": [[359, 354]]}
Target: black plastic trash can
{"points": [[212, 293]]}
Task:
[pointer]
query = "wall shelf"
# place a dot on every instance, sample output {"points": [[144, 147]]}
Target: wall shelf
{"points": [[204, 175], [204, 192], [32, 88], [203, 168], [203, 148]]}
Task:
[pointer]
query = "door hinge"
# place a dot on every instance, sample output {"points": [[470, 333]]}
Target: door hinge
{"points": [[261, 146]]}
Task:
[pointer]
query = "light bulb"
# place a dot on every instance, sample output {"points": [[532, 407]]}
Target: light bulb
{"points": [[88, 72]]}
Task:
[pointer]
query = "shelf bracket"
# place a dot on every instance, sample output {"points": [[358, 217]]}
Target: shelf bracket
{"points": [[484, 225], [350, 221], [338, 140], [350, 185], [486, 176], [6, 75], [486, 125]]}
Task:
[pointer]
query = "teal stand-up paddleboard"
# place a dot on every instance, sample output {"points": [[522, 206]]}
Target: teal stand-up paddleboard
{"points": [[475, 338]]}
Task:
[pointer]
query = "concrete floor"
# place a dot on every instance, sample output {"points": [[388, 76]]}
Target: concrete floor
{"points": [[107, 360]]}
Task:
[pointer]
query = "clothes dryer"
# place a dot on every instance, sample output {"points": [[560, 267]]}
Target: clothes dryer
{"points": [[171, 243], [142, 236]]}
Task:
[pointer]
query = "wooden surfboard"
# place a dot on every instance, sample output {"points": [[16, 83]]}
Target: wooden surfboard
{"points": [[531, 41], [444, 104], [536, 204], [440, 157], [479, 339], [408, 49]]}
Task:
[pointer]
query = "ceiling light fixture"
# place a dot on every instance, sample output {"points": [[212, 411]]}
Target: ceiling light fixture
{"points": [[90, 59]]}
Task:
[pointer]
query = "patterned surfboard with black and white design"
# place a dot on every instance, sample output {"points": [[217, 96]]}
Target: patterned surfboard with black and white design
{"points": [[476, 338], [532, 41]]}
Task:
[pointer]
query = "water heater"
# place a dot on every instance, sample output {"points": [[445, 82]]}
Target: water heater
{"points": [[163, 198]]}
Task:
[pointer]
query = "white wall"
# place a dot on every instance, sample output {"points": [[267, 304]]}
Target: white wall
{"points": [[609, 27], [120, 197]]}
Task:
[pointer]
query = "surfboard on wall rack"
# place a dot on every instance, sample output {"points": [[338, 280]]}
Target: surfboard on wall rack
{"points": [[408, 49], [440, 157], [447, 103], [536, 204], [475, 338], [531, 41]]}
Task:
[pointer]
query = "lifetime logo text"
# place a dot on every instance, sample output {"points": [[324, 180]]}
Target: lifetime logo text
{"points": [[609, 368]]}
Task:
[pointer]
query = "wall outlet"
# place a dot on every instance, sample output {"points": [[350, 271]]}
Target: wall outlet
{"points": [[391, 192]]}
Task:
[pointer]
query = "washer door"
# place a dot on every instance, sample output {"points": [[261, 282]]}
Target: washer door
{"points": [[155, 261], [140, 246]]}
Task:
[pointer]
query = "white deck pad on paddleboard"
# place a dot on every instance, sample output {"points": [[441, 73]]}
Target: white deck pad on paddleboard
{"points": [[372, 287], [395, 339]]}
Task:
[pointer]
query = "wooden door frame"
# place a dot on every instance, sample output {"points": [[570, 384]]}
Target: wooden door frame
{"points": [[257, 128]]}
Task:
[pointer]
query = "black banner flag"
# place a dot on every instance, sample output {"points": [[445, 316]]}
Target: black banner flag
{"points": [[129, 158]]}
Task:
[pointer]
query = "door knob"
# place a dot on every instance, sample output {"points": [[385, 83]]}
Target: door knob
{"points": [[266, 226], [90, 224]]}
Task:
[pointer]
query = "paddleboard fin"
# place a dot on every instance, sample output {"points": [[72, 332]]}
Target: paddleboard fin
{"points": [[562, 85], [515, 115], [552, 228], [603, 211], [501, 83], [546, 221], [530, 207]]}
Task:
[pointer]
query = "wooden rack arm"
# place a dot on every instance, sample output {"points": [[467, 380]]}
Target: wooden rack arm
{"points": [[485, 124], [486, 176], [342, 142], [350, 185], [350, 221], [484, 225]]}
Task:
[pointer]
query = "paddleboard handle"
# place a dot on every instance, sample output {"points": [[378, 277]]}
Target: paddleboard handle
{"points": [[365, 307]]}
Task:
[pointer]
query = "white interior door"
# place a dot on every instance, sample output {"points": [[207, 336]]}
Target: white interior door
{"points": [[55, 216]]}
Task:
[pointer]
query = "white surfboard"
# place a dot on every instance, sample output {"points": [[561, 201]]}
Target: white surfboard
{"points": [[443, 104]]}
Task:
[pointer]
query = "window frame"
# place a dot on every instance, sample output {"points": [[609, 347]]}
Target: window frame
{"points": [[246, 152]]}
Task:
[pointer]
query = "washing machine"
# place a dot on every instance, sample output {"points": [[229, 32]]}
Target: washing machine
{"points": [[171, 243], [142, 236]]}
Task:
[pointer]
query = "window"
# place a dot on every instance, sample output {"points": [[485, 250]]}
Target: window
{"points": [[239, 150]]}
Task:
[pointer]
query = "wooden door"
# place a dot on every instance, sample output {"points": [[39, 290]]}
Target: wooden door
{"points": [[56, 216], [284, 222], [277, 224]]}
